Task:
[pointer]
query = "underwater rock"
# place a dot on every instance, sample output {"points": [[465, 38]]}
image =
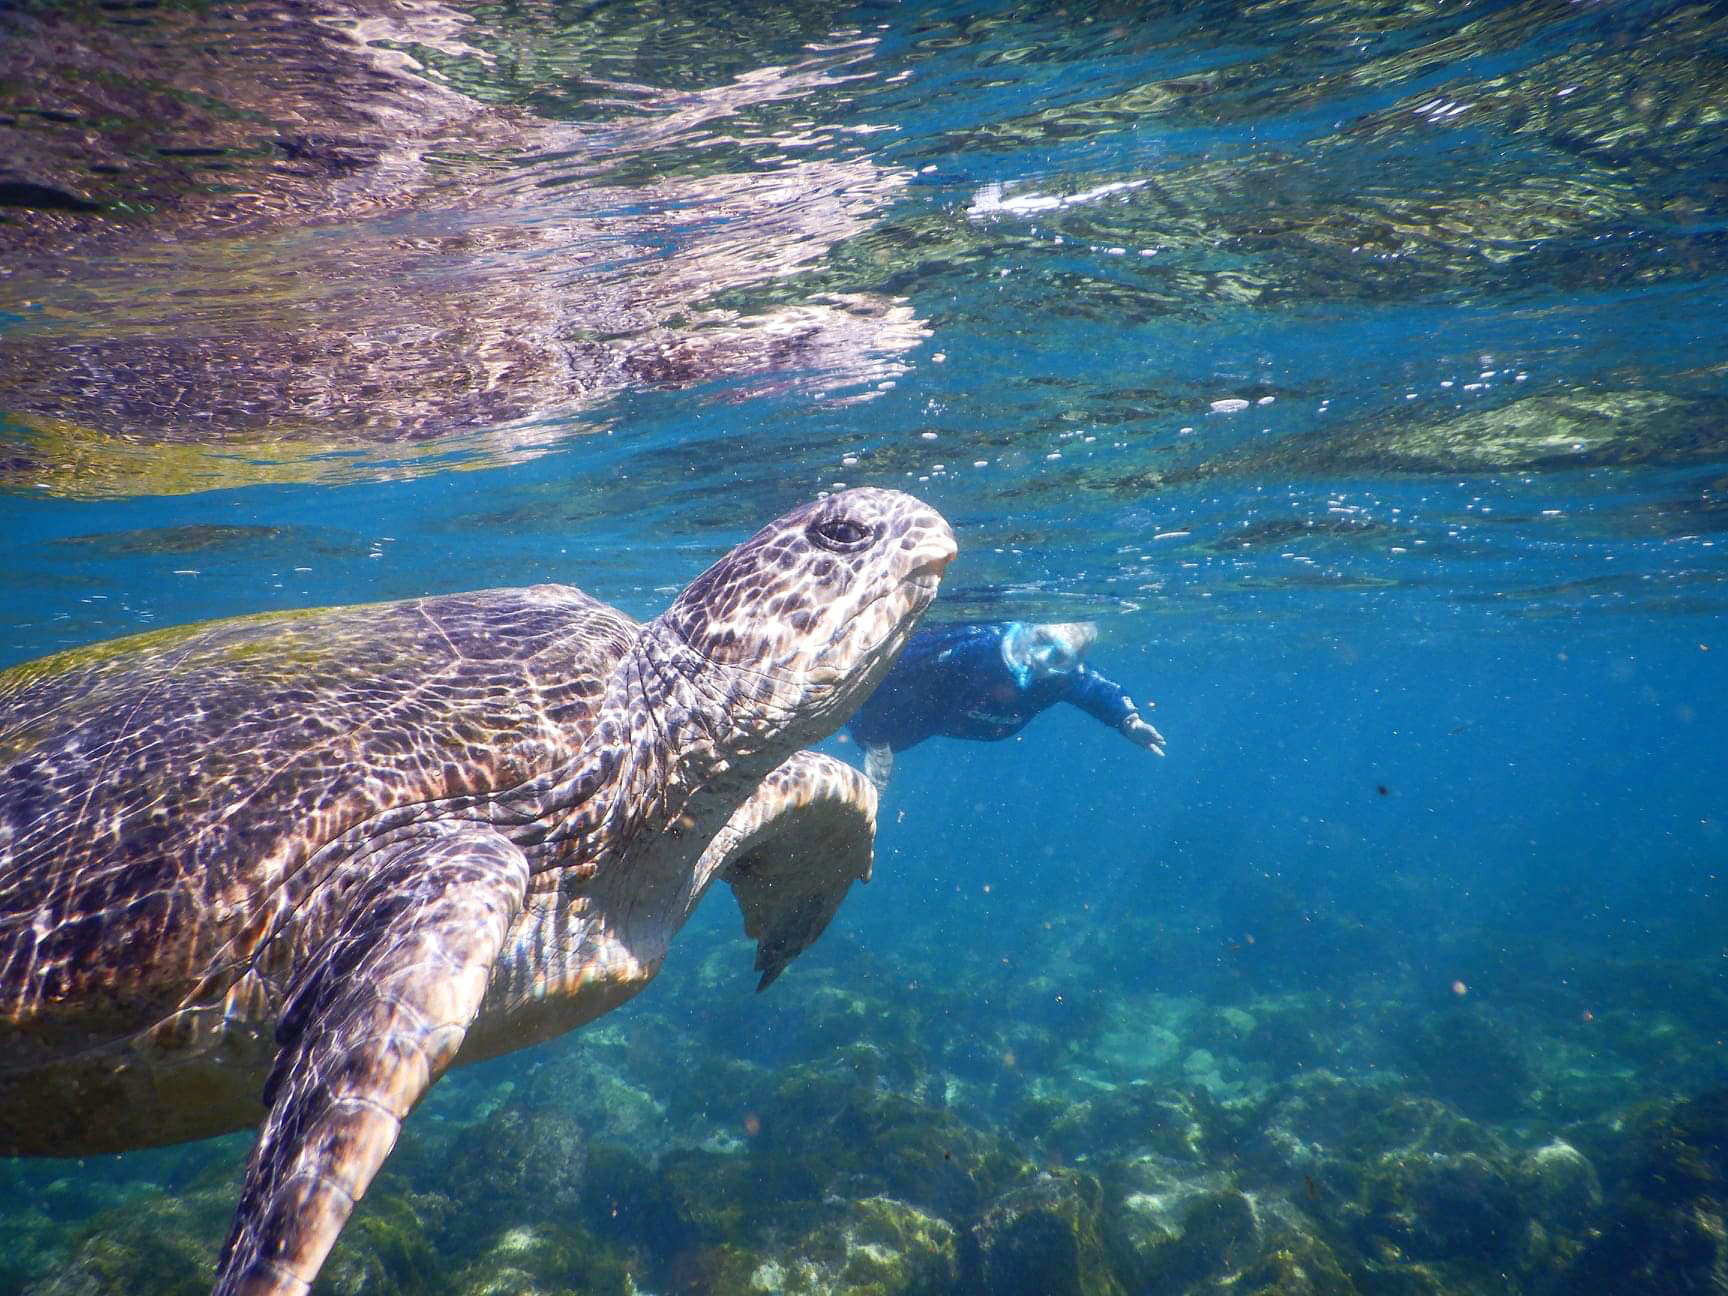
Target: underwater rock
{"points": [[1182, 1235], [519, 1163], [1440, 1207], [1312, 1120], [1178, 1228], [390, 1248], [1301, 1270], [34, 1242], [627, 1202], [1144, 1037], [1290, 1259], [1140, 1117], [1428, 1196], [1663, 1231], [595, 1080], [1559, 1186], [820, 1132], [161, 1243], [1171, 1222], [874, 1247], [1471, 1058], [716, 1197], [542, 1260], [1043, 1239]]}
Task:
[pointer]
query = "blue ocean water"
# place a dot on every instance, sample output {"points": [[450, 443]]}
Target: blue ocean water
{"points": [[1359, 369]]}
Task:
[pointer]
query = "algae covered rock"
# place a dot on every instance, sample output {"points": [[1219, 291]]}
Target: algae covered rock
{"points": [[519, 1163], [1318, 1119], [1428, 1198], [389, 1248], [1173, 1228], [600, 1084], [1663, 1232], [1140, 1117], [717, 1197], [1435, 1206], [1473, 1059], [1044, 1239], [874, 1247], [625, 1201], [819, 1132], [1297, 1264], [158, 1242], [1559, 1186], [543, 1261]]}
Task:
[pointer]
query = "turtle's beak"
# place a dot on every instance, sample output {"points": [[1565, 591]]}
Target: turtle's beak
{"points": [[939, 552], [932, 570]]}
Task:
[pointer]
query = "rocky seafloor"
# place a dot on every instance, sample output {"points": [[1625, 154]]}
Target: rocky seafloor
{"points": [[1273, 1091]]}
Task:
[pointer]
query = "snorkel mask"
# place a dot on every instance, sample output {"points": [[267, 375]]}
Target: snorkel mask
{"points": [[1037, 652]]}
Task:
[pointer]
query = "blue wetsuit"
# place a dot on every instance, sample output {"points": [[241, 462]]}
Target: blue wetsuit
{"points": [[951, 682]]}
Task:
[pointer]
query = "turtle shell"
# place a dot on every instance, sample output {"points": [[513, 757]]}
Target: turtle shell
{"points": [[164, 797]]}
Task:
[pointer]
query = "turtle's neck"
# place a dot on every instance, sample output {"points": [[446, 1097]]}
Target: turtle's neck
{"points": [[666, 746]]}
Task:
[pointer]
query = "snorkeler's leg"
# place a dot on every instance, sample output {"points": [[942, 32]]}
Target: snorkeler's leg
{"points": [[879, 764]]}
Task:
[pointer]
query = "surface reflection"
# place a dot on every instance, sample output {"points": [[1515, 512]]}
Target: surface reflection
{"points": [[409, 261]]}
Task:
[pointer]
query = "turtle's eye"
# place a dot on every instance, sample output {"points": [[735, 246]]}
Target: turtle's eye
{"points": [[842, 534]]}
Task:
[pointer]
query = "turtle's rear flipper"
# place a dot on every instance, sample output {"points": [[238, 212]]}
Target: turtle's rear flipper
{"points": [[791, 852], [373, 1018]]}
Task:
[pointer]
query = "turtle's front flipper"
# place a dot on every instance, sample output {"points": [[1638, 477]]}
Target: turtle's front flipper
{"points": [[791, 852], [372, 1019]]}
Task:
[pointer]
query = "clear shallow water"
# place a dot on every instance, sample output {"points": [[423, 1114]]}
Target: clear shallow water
{"points": [[1361, 370]]}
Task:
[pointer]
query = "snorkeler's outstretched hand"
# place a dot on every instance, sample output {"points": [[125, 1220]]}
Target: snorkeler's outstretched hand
{"points": [[1136, 730]]}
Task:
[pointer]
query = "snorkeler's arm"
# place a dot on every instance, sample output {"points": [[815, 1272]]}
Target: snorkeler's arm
{"points": [[1108, 702]]}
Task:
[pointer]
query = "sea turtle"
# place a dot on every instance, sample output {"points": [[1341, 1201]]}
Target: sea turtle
{"points": [[290, 867]]}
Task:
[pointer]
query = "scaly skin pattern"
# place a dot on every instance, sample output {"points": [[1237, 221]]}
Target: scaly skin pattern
{"points": [[278, 866]]}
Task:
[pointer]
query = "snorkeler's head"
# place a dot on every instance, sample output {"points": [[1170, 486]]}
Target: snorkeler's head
{"points": [[1035, 652]]}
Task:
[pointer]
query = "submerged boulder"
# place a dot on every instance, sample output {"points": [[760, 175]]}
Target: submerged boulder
{"points": [[1664, 1230], [1437, 1206], [520, 1163], [1471, 1058], [1043, 1238], [1559, 1186], [874, 1247], [543, 1261], [1138, 1117], [820, 1133]]}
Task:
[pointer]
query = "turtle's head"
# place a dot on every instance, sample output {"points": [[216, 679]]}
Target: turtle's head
{"points": [[788, 633]]}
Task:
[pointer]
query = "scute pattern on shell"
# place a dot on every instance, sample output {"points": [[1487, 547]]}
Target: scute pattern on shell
{"points": [[193, 773]]}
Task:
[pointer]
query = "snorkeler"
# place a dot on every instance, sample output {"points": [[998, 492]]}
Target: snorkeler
{"points": [[986, 682]]}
